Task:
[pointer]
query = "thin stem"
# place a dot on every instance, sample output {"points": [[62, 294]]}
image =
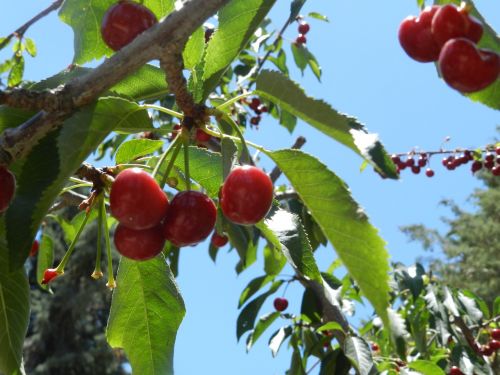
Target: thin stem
{"points": [[80, 181], [139, 130], [236, 128], [111, 284], [72, 187], [65, 259], [186, 163], [163, 109], [313, 366], [170, 164], [164, 156], [223, 106], [144, 166], [97, 274]]}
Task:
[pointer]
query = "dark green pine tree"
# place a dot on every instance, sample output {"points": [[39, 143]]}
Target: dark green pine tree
{"points": [[471, 245], [67, 328]]}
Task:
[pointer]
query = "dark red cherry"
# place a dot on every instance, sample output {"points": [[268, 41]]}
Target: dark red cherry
{"points": [[124, 21], [7, 188], [139, 244], [280, 304], [494, 344], [495, 334], [201, 136], [450, 22], [301, 39], [246, 195], [429, 172], [455, 371], [190, 218], [303, 28], [49, 275], [219, 240], [415, 36], [136, 200], [466, 68]]}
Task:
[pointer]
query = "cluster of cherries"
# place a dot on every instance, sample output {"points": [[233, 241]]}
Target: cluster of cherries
{"points": [[449, 35], [258, 108], [303, 29], [147, 219], [418, 160]]}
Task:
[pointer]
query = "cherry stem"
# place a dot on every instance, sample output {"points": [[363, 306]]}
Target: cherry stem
{"points": [[245, 154], [170, 165], [97, 270], [111, 284], [186, 163], [65, 259], [164, 110], [164, 156]]}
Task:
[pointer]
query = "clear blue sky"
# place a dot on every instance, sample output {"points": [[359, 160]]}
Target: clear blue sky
{"points": [[365, 74]]}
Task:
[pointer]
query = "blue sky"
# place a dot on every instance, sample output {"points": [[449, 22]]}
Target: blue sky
{"points": [[365, 74]]}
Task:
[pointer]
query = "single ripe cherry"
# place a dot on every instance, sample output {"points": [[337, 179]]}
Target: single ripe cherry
{"points": [[495, 334], [35, 246], [49, 275], [201, 136], [429, 172], [494, 345], [219, 240], [246, 195], [415, 36], [301, 39], [450, 22], [280, 304], [455, 371], [487, 350], [374, 346], [124, 21], [139, 244], [190, 218], [466, 68], [136, 200], [303, 28], [476, 165], [7, 188], [254, 103]]}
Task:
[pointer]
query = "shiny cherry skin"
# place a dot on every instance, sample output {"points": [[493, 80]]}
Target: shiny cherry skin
{"points": [[219, 240], [246, 195], [495, 334], [451, 22], [303, 28], [49, 275], [139, 244], [136, 200], [124, 21], [7, 188], [455, 371], [466, 68], [415, 36], [190, 218], [280, 304]]}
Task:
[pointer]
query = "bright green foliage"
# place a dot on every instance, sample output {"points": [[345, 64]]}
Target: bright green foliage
{"points": [[345, 129], [426, 368], [136, 148], [263, 323], [146, 312], [344, 223]]}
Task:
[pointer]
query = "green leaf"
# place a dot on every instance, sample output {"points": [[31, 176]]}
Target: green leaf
{"points": [[85, 20], [136, 148], [318, 16], [253, 287], [398, 332], [335, 363], [303, 58], [146, 312], [274, 260], [295, 8], [426, 367], [263, 324], [193, 52], [359, 353], [17, 71], [277, 339], [30, 46], [238, 21], [285, 93], [496, 306], [344, 223], [14, 312], [330, 326], [147, 83], [293, 241], [247, 316], [296, 365], [44, 259], [229, 153]]}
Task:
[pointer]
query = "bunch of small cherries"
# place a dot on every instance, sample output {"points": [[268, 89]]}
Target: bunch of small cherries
{"points": [[303, 29], [258, 108], [449, 35]]}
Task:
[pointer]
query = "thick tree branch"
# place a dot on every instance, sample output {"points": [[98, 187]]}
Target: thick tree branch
{"points": [[168, 36]]}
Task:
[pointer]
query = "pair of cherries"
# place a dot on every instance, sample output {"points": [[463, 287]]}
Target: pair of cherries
{"points": [[146, 217], [449, 35]]}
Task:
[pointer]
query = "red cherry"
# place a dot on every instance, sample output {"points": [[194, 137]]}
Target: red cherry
{"points": [[201, 136], [497, 150], [49, 275], [489, 157], [489, 164], [35, 246], [124, 21], [450, 22], [487, 351], [219, 240], [254, 104], [280, 304], [415, 169], [494, 344], [466, 68], [476, 165], [255, 120], [495, 334], [455, 371], [396, 159], [136, 200], [7, 188], [429, 172], [139, 244], [263, 108], [415, 36], [374, 346], [190, 218], [496, 170], [301, 39], [246, 195], [304, 28]]}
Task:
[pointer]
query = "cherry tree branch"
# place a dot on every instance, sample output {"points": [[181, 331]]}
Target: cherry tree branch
{"points": [[168, 36], [276, 172]]}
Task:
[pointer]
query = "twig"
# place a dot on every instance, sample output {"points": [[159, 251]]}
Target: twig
{"points": [[21, 30], [276, 172]]}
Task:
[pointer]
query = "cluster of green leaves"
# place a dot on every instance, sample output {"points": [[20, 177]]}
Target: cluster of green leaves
{"points": [[14, 66]]}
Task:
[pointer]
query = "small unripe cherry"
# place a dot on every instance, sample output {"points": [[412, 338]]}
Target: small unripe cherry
{"points": [[7, 188], [280, 304]]}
